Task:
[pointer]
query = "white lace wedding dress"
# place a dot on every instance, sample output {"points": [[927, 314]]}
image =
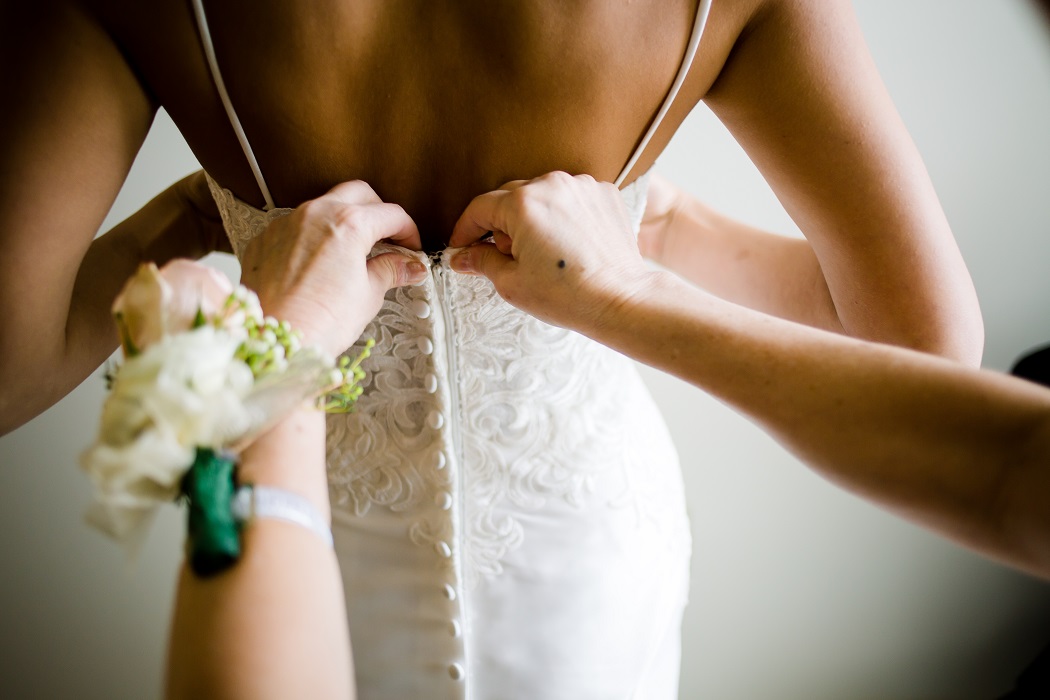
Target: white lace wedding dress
{"points": [[508, 508]]}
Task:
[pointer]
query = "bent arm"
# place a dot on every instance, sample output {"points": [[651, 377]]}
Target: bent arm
{"points": [[963, 452], [960, 451], [802, 96], [77, 117]]}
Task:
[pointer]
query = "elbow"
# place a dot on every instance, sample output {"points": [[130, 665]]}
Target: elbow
{"points": [[956, 334], [962, 340], [11, 407], [25, 393], [15, 410], [959, 324], [959, 342]]}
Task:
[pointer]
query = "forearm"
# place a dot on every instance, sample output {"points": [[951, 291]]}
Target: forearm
{"points": [[959, 451], [69, 343], [274, 625], [774, 274]]}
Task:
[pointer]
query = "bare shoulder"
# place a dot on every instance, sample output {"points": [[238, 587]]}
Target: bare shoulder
{"points": [[75, 118]]}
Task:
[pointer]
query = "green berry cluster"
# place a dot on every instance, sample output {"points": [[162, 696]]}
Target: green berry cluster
{"points": [[271, 344], [341, 399]]}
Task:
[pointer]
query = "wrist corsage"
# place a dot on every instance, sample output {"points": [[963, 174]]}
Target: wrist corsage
{"points": [[204, 374]]}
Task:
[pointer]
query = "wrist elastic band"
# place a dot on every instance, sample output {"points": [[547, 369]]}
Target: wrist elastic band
{"points": [[252, 501], [218, 510]]}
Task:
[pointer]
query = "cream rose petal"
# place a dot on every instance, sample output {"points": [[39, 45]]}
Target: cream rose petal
{"points": [[194, 287], [139, 309], [132, 480], [157, 303]]}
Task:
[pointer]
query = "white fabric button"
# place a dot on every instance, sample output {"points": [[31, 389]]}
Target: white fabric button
{"points": [[455, 672], [420, 308], [443, 549], [450, 592], [426, 345], [443, 500], [435, 420], [430, 383], [454, 629], [439, 460]]}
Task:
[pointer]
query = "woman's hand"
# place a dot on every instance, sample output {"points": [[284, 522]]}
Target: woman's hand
{"points": [[561, 249], [311, 268]]}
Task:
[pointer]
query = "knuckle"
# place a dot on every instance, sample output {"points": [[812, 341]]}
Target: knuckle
{"points": [[519, 198], [350, 218], [352, 192], [314, 208], [396, 211], [362, 189]]}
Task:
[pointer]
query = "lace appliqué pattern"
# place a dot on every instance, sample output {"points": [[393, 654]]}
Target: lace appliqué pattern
{"points": [[241, 221], [386, 452], [523, 439]]}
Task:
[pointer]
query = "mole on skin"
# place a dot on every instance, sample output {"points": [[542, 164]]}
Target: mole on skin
{"points": [[561, 263]]}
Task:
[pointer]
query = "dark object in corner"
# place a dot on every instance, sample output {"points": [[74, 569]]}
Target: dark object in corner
{"points": [[1034, 681], [1034, 366]]}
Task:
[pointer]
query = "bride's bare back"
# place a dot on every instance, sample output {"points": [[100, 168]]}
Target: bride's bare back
{"points": [[430, 103], [433, 103]]}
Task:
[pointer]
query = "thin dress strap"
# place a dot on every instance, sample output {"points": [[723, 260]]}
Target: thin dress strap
{"points": [[209, 52], [702, 11], [699, 22]]}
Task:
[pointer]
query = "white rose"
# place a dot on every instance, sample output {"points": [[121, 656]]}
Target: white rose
{"points": [[157, 303], [199, 387], [185, 391], [132, 479]]}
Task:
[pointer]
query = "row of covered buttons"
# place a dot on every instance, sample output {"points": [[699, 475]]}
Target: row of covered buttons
{"points": [[455, 670], [443, 499], [430, 381]]}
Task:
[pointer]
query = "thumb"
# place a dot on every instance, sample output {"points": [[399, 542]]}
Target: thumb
{"points": [[482, 259], [390, 270]]}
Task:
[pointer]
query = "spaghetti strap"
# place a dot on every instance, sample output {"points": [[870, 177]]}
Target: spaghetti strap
{"points": [[220, 86], [702, 11], [699, 22]]}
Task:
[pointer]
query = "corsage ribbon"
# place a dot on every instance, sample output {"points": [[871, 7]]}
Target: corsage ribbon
{"points": [[213, 534]]}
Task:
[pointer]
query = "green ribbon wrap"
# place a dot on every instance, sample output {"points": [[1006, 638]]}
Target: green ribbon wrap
{"points": [[214, 538]]}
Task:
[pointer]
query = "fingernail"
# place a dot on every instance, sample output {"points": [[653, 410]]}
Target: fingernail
{"points": [[461, 262], [417, 272]]}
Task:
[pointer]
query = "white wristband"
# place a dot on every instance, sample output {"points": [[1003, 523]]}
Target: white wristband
{"points": [[251, 501]]}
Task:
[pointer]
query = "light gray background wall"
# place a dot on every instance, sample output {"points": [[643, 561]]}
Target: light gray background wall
{"points": [[799, 590]]}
